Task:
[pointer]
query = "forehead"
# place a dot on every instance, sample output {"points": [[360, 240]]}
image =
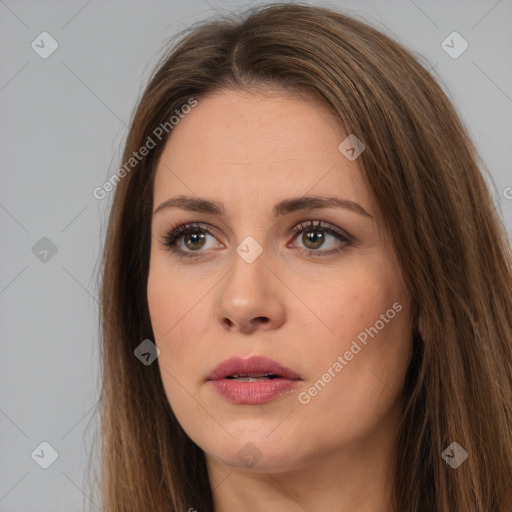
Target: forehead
{"points": [[236, 143]]}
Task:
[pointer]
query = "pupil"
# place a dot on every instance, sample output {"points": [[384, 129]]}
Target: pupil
{"points": [[195, 238], [315, 237]]}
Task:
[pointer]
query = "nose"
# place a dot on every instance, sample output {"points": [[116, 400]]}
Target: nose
{"points": [[251, 297]]}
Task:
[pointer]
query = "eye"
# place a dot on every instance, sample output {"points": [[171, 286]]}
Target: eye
{"points": [[314, 235], [186, 241], [192, 236]]}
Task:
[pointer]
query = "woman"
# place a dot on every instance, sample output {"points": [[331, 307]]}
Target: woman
{"points": [[306, 289]]}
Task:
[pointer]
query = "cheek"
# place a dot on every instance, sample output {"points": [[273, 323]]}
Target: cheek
{"points": [[159, 298], [365, 319], [175, 320], [179, 313], [172, 298], [355, 300], [350, 399]]}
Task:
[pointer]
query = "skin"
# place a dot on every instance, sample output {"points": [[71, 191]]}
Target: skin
{"points": [[251, 150]]}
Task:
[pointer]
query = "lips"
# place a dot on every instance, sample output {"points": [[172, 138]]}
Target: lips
{"points": [[252, 381], [255, 367]]}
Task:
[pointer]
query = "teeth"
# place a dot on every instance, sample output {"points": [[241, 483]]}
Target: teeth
{"points": [[251, 378], [236, 375]]}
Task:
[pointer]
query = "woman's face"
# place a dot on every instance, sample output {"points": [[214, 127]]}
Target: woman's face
{"points": [[271, 270]]}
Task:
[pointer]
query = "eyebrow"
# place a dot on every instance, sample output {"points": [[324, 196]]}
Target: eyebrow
{"points": [[201, 205]]}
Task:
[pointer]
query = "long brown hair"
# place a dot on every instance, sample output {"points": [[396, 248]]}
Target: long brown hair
{"points": [[425, 178]]}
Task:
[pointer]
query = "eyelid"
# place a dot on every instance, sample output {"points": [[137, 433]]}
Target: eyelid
{"points": [[323, 225], [170, 237]]}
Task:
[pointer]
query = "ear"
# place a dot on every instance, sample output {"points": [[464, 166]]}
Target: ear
{"points": [[420, 325]]}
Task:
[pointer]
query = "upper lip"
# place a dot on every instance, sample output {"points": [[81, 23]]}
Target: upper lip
{"points": [[251, 365]]}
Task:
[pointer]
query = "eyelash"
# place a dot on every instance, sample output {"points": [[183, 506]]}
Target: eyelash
{"points": [[170, 238]]}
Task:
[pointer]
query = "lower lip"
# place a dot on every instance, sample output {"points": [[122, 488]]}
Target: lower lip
{"points": [[252, 393]]}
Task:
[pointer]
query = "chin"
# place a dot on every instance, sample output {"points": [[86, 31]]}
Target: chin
{"points": [[257, 452]]}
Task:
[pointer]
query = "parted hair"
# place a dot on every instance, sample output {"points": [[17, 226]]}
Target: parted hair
{"points": [[427, 183]]}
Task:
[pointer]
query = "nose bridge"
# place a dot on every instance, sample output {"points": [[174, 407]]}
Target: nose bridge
{"points": [[248, 293], [248, 279]]}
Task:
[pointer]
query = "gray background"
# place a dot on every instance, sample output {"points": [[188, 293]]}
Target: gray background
{"points": [[63, 121]]}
